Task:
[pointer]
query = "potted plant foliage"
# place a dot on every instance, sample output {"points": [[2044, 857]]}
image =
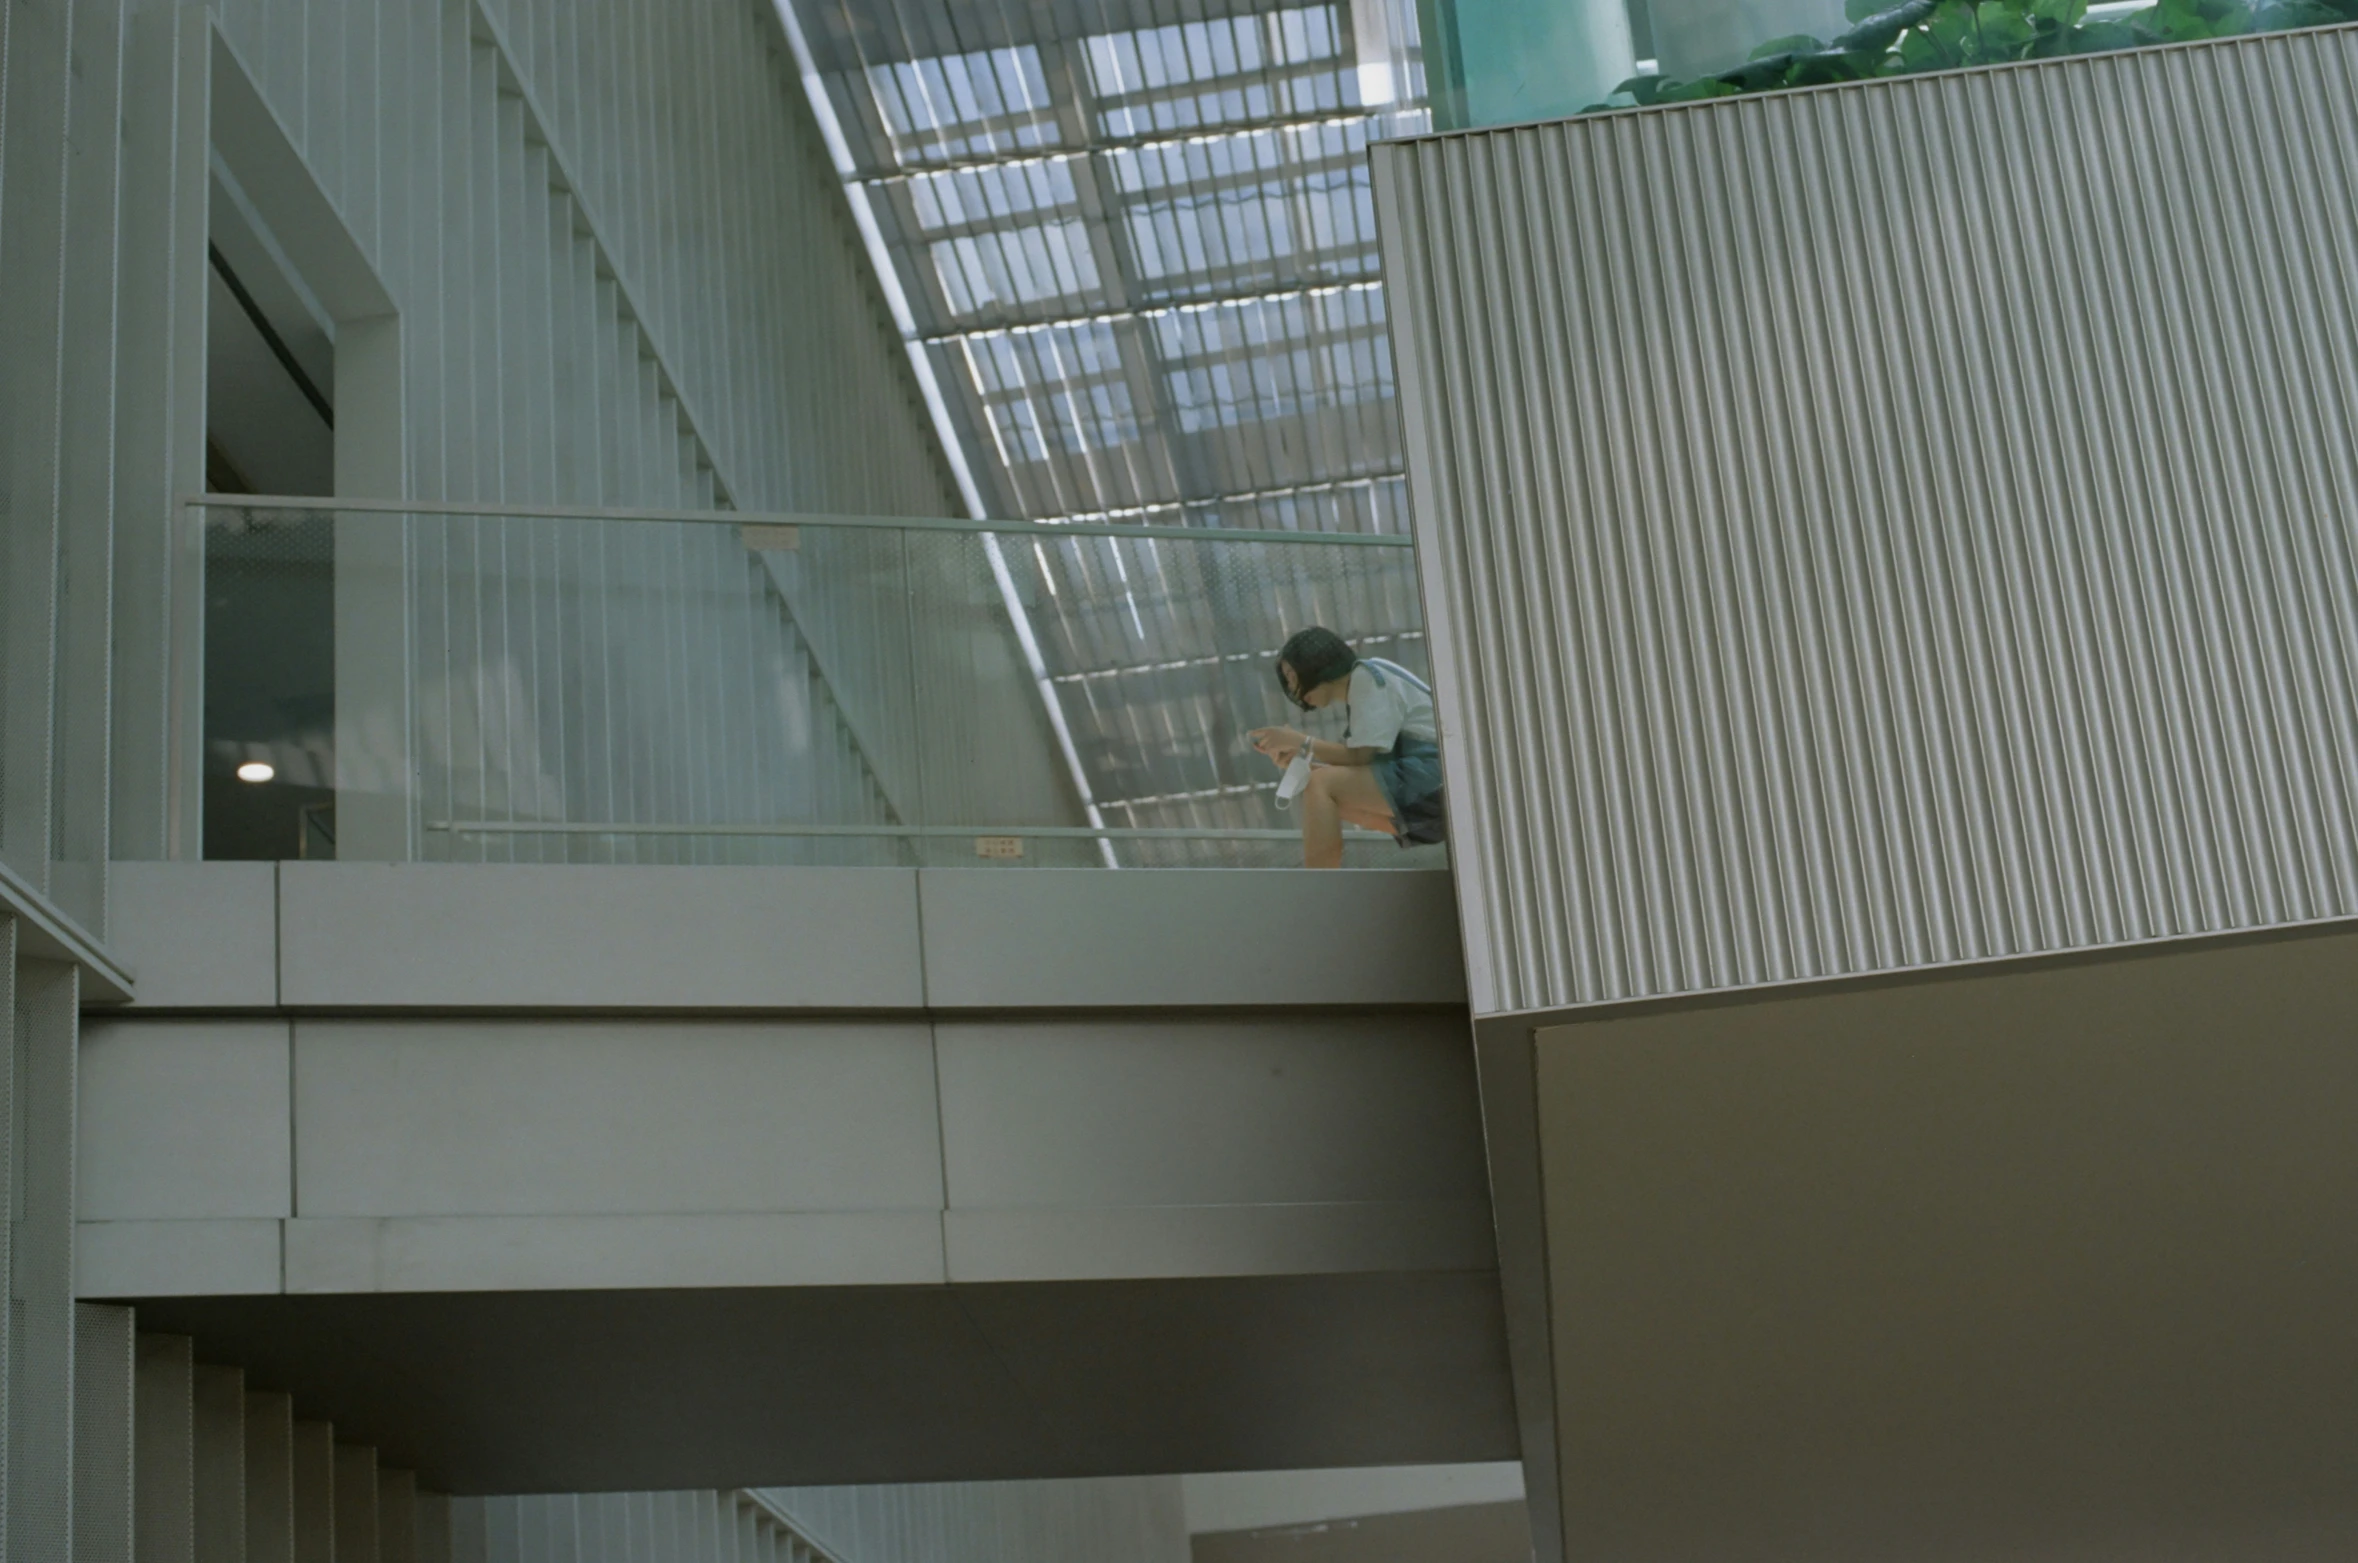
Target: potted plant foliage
{"points": [[1937, 35]]}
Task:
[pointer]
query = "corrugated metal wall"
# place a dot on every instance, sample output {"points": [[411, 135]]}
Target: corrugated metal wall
{"points": [[1140, 1519], [58, 214], [1891, 525]]}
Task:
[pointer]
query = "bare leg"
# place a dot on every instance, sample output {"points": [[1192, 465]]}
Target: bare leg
{"points": [[1338, 793]]}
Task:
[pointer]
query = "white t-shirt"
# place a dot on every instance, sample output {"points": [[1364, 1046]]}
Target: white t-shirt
{"points": [[1381, 712]]}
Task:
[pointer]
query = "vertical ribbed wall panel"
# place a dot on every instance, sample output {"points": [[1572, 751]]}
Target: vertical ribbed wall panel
{"points": [[397, 1517], [11, 1176], [270, 1477], [1139, 1519], [356, 1504], [1891, 525], [70, 110], [685, 135], [627, 276], [709, 1526], [33, 138], [39, 1361], [436, 1542], [164, 1448], [83, 628], [107, 1364], [312, 1464], [220, 1466], [470, 1526], [56, 205]]}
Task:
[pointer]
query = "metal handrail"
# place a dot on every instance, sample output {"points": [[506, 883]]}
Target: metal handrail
{"points": [[813, 519], [472, 827]]}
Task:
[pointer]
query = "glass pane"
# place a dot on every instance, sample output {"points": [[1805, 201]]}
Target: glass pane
{"points": [[500, 688]]}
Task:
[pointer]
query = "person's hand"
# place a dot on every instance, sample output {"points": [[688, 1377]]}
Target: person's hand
{"points": [[1279, 743]]}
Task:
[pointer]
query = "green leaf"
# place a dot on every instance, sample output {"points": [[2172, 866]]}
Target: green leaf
{"points": [[1795, 43], [1758, 75], [1917, 52], [1860, 10], [2063, 13], [1951, 23], [2102, 38], [1693, 91], [2169, 21], [2003, 33], [1949, 30], [1824, 70], [2185, 21], [2294, 13], [1876, 33]]}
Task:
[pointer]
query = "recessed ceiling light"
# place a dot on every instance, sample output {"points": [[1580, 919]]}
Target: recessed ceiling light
{"points": [[256, 771]]}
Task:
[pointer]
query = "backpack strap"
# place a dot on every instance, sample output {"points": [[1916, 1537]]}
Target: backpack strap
{"points": [[1378, 666]]}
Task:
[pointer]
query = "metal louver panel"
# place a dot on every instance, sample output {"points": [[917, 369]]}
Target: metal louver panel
{"points": [[1892, 525]]}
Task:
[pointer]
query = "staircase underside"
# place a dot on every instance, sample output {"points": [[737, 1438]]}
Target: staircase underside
{"points": [[493, 1392]]}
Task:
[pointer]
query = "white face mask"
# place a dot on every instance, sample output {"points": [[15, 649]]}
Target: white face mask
{"points": [[1296, 777]]}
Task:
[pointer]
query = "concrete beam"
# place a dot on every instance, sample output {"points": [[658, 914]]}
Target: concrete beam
{"points": [[482, 938], [471, 1153]]}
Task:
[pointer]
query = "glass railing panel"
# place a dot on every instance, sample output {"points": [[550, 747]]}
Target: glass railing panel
{"points": [[646, 678], [1161, 652], [269, 684], [439, 685]]}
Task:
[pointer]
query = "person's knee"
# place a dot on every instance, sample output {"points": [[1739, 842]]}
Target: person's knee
{"points": [[1322, 784]]}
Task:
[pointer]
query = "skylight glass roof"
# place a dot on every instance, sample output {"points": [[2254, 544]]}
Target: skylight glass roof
{"points": [[1134, 243]]}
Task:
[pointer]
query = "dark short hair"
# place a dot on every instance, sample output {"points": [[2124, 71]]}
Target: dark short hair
{"points": [[1317, 655]]}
